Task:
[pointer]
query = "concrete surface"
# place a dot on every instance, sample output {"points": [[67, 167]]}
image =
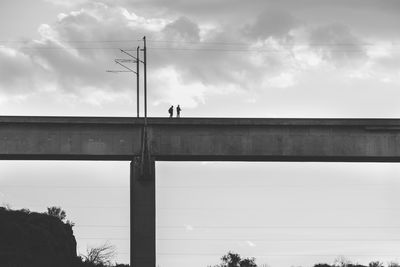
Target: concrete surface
{"points": [[220, 139], [212, 139]]}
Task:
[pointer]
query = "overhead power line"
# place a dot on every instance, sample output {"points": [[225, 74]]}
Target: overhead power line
{"points": [[176, 49], [222, 43], [279, 227], [101, 226], [249, 227], [282, 255], [200, 46], [280, 240], [72, 41], [227, 187], [263, 240], [65, 187]]}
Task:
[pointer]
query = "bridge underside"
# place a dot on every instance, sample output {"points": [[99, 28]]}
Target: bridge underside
{"points": [[189, 139], [185, 139]]}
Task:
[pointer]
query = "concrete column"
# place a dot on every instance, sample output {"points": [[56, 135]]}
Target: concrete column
{"points": [[143, 216]]}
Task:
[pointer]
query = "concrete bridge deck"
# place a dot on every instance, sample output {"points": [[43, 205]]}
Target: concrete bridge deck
{"points": [[213, 139], [220, 139]]}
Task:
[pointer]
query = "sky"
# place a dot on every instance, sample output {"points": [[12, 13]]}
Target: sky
{"points": [[220, 58]]}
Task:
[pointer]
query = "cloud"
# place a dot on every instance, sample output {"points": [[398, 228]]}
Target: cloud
{"points": [[18, 72], [354, 13], [383, 65], [61, 59], [274, 23], [66, 3], [169, 88], [283, 80], [337, 43], [250, 244], [189, 227], [193, 56], [182, 29]]}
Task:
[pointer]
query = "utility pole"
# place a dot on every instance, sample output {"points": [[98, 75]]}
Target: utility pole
{"points": [[145, 76], [141, 167], [145, 155], [136, 60], [137, 80]]}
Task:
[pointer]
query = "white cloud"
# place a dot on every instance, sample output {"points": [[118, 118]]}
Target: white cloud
{"points": [[250, 244], [189, 227], [169, 85], [17, 72], [47, 32], [61, 16], [6, 51], [206, 29], [96, 97], [283, 80], [185, 64], [66, 3], [379, 50], [151, 24], [58, 63], [306, 58]]}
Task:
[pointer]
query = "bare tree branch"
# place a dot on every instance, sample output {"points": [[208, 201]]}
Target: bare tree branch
{"points": [[101, 255]]}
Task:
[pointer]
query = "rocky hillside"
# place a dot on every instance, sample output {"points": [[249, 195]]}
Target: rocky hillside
{"points": [[35, 239]]}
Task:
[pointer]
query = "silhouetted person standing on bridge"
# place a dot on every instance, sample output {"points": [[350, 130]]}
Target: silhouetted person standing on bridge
{"points": [[171, 111], [178, 111]]}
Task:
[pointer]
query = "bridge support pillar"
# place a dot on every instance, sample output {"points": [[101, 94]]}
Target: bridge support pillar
{"points": [[143, 214]]}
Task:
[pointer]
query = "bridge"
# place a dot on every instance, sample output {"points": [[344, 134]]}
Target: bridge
{"points": [[143, 142]]}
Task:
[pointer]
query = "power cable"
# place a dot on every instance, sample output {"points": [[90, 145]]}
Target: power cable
{"points": [[278, 240], [283, 255], [278, 227], [228, 187], [248, 227], [205, 42]]}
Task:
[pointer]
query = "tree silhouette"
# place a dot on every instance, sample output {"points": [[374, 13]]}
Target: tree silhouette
{"points": [[57, 212], [101, 255], [234, 260], [60, 214], [248, 262], [341, 261], [375, 264]]}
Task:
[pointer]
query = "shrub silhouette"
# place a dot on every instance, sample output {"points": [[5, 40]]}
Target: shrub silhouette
{"points": [[234, 260], [57, 212], [100, 256]]}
